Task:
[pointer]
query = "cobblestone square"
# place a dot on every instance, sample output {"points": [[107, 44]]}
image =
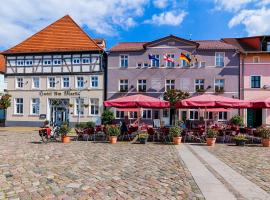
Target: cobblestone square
{"points": [[87, 170], [252, 161]]}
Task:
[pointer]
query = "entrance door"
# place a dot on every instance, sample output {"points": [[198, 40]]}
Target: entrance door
{"points": [[59, 117], [254, 117], [59, 111]]}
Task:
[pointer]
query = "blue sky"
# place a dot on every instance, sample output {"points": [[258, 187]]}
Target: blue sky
{"points": [[138, 20]]}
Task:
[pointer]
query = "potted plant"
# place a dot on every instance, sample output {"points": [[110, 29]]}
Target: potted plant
{"points": [[219, 90], [211, 136], [200, 90], [64, 130], [240, 140], [264, 132], [237, 121], [175, 133], [143, 138], [86, 105], [113, 132], [107, 117]]}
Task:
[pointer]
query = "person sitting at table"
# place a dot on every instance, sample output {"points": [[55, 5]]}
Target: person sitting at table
{"points": [[124, 128]]}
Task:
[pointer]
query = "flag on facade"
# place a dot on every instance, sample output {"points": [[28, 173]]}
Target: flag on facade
{"points": [[152, 57], [168, 58], [185, 58]]}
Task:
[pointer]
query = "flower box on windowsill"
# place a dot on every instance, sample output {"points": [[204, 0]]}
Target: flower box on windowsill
{"points": [[141, 90], [200, 90], [220, 91], [123, 91]]}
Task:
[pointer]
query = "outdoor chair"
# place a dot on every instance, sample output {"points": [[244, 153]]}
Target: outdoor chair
{"points": [[91, 134], [152, 134], [79, 133], [165, 135]]}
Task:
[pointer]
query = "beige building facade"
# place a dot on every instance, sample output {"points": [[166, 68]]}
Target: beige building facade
{"points": [[56, 77]]}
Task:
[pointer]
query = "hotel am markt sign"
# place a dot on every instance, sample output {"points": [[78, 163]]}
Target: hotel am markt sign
{"points": [[59, 93]]}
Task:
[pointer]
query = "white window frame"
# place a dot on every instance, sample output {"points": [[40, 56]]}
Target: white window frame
{"points": [[34, 104], [15, 106], [131, 114], [20, 63], [199, 84], [45, 62], [142, 84], [85, 59], [76, 61], [33, 82], [216, 53], [170, 63], [57, 62], [223, 117], [125, 58], [193, 116], [76, 82], [202, 65], [48, 82], [119, 117], [17, 83], [123, 84], [91, 81], [218, 84], [62, 85], [154, 61], [169, 84], [27, 62], [76, 106], [147, 117], [95, 106]]}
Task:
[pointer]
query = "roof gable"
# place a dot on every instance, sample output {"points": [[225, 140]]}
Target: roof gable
{"points": [[61, 36], [171, 38]]}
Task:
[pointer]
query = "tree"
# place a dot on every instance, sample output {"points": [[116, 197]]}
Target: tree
{"points": [[107, 116], [5, 103], [174, 96]]}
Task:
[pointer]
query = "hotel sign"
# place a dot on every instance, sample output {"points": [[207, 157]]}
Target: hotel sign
{"points": [[59, 93]]}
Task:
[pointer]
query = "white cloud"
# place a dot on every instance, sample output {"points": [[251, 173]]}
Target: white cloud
{"points": [[256, 21], [172, 18], [232, 5], [161, 3], [18, 19]]}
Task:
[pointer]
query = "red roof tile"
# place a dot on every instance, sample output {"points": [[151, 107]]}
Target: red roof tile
{"points": [[203, 44], [214, 44], [2, 64], [61, 36], [128, 46]]}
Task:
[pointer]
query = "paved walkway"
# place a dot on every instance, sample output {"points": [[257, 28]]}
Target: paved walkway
{"points": [[215, 179]]}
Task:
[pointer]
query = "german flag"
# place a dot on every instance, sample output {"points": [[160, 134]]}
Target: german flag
{"points": [[184, 57]]}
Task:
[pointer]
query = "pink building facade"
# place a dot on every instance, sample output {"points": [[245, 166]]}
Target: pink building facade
{"points": [[254, 76]]}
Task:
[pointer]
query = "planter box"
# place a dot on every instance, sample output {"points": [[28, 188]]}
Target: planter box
{"points": [[266, 142]]}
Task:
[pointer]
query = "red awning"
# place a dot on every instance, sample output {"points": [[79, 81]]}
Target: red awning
{"points": [[137, 101], [217, 110], [212, 101], [129, 109], [261, 103]]}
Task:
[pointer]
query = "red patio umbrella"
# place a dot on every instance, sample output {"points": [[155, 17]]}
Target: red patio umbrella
{"points": [[212, 101], [137, 101], [261, 103]]}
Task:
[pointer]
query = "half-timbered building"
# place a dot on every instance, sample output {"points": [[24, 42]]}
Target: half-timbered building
{"points": [[57, 74]]}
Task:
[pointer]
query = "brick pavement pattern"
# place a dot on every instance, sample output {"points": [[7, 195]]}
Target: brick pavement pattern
{"points": [[87, 170], [252, 161]]}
